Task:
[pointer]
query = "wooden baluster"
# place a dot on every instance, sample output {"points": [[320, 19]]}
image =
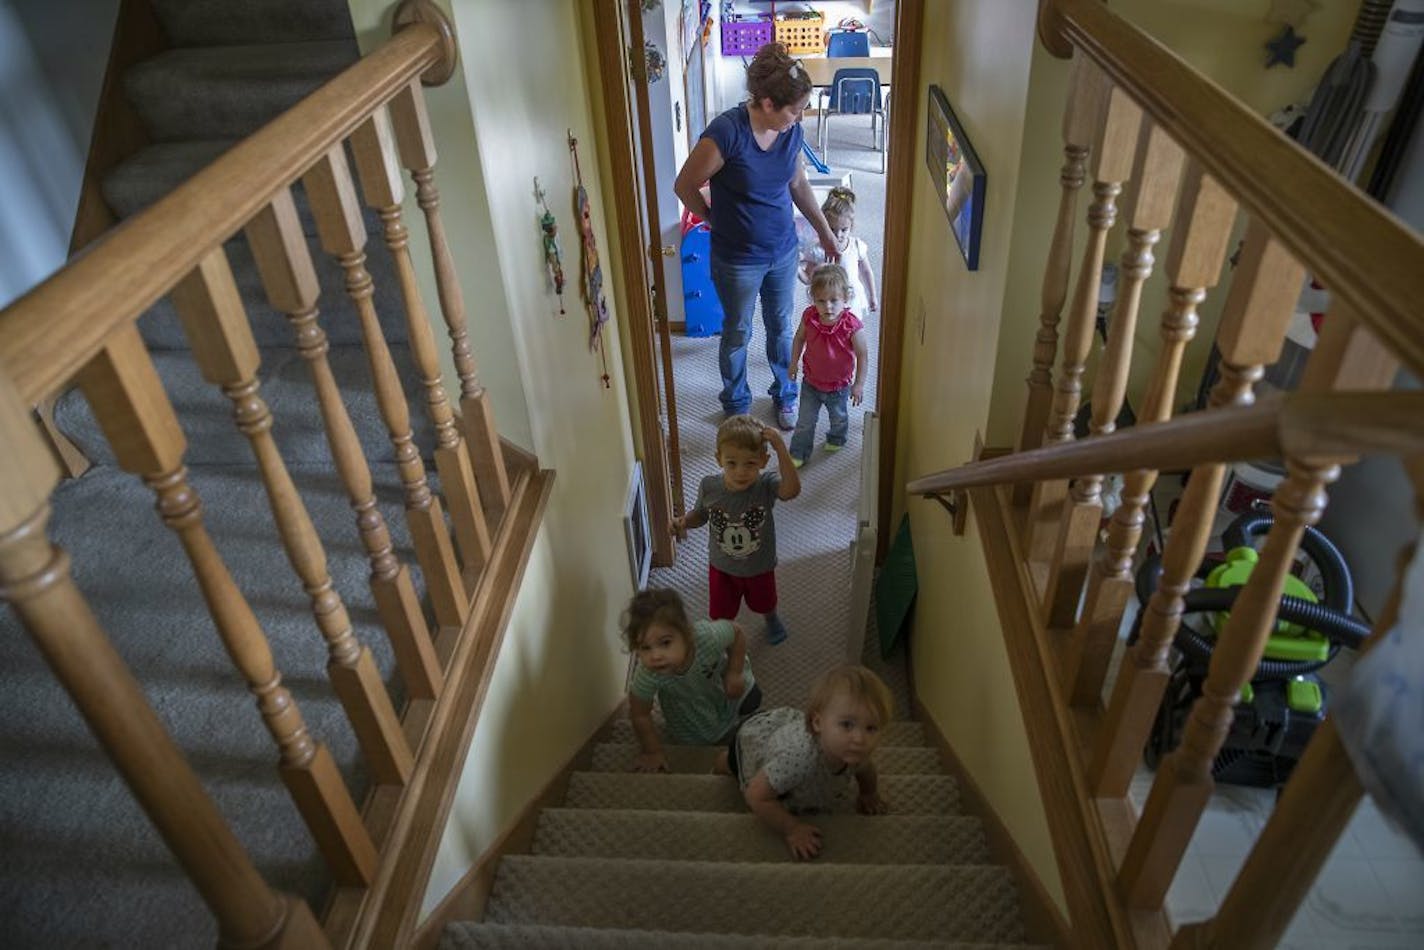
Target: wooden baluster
{"points": [[1155, 176], [1113, 153], [127, 398], [284, 262], [1312, 812], [1204, 220], [343, 235], [215, 322], [1258, 307], [373, 147], [417, 151], [1184, 782], [1079, 114], [35, 580]]}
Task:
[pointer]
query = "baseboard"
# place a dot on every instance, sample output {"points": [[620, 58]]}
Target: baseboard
{"points": [[1044, 923], [1080, 828], [466, 900]]}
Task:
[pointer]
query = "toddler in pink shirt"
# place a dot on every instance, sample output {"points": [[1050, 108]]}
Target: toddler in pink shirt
{"points": [[832, 340]]}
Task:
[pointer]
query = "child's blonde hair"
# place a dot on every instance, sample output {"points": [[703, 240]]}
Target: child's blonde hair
{"points": [[860, 684], [740, 432], [831, 277], [656, 605], [840, 205]]}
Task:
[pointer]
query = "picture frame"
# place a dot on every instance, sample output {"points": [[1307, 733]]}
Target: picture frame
{"points": [[637, 529], [958, 175]]}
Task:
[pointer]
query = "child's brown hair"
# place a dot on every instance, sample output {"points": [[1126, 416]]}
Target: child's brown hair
{"points": [[656, 605], [776, 75], [863, 687], [831, 277], [839, 205], [740, 432]]}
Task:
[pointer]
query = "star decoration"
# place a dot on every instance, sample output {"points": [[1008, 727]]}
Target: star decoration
{"points": [[1282, 48], [1291, 12]]}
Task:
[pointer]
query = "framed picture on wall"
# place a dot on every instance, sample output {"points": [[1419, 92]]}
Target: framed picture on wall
{"points": [[958, 175], [636, 529]]}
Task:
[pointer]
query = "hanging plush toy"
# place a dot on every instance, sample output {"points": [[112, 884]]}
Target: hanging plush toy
{"points": [[553, 257], [592, 270]]}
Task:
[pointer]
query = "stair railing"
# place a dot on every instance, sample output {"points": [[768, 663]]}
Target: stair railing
{"points": [[1186, 160], [79, 327]]}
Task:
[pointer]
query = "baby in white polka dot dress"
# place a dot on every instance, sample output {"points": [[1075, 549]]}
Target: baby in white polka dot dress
{"points": [[791, 763]]}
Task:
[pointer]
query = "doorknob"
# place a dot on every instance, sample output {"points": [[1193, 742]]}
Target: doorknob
{"points": [[666, 250]]}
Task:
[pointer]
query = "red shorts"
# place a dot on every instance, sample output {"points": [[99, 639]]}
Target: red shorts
{"points": [[725, 592]]}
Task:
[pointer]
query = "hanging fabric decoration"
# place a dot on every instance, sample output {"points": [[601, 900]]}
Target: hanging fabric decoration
{"points": [[553, 257], [592, 270], [654, 62]]}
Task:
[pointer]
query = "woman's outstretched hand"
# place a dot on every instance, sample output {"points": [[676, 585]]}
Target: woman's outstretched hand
{"points": [[833, 251]]}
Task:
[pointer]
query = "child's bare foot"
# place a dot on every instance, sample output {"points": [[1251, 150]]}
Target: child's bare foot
{"points": [[720, 767]]}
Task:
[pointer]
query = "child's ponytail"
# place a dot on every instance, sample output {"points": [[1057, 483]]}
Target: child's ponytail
{"points": [[839, 204]]}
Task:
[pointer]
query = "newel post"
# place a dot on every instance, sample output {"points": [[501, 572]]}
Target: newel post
{"points": [[409, 13]]}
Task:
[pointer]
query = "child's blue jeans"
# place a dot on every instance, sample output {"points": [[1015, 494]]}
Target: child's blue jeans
{"points": [[812, 399], [738, 286]]}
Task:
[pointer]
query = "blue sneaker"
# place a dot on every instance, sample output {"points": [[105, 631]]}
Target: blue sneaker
{"points": [[775, 630]]}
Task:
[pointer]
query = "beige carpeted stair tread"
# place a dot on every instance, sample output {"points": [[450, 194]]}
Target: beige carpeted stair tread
{"points": [[902, 902], [900, 732], [469, 935], [619, 756], [700, 836], [907, 794]]}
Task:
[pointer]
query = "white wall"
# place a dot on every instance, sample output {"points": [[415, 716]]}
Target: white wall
{"points": [[667, 102], [52, 59]]}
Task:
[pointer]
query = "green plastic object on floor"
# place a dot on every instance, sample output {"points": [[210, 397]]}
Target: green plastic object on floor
{"points": [[895, 589]]}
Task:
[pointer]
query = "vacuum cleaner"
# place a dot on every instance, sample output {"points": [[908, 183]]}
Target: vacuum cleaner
{"points": [[1279, 710]]}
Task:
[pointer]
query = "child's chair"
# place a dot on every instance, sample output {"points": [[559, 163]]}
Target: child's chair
{"points": [[856, 92], [847, 43]]}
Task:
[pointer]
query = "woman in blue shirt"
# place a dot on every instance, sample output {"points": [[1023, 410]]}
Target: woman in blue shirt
{"points": [[751, 154]]}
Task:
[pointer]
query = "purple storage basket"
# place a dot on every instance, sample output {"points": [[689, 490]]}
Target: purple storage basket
{"points": [[743, 35]]}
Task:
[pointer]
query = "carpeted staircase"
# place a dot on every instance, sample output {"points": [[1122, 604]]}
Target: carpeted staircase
{"points": [[84, 867], [634, 860]]}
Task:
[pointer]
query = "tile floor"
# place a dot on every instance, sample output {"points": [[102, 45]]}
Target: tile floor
{"points": [[1369, 895]]}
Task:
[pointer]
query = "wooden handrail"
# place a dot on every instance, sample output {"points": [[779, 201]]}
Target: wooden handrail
{"points": [[56, 328], [1309, 425], [1358, 249]]}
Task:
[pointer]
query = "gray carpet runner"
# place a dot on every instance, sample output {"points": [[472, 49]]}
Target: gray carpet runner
{"points": [[83, 866], [637, 860]]}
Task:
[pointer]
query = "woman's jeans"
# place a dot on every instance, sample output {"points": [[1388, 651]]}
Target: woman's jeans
{"points": [[737, 288], [812, 399]]}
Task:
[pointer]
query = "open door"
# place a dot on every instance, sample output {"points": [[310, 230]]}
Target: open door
{"points": [[658, 252], [618, 25]]}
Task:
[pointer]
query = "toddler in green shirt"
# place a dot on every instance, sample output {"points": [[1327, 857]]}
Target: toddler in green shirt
{"points": [[698, 673]]}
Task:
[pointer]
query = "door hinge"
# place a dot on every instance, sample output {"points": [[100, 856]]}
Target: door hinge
{"points": [[666, 250], [637, 65]]}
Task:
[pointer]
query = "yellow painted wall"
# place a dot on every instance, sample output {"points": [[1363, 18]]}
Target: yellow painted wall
{"points": [[978, 52], [521, 87], [970, 336], [1225, 40]]}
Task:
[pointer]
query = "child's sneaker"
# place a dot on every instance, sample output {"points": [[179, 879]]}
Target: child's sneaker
{"points": [[833, 448], [775, 630], [798, 462]]}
